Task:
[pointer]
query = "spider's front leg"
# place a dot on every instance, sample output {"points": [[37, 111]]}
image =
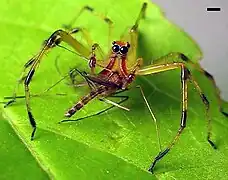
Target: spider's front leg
{"points": [[55, 39], [185, 77], [52, 41], [91, 10], [20, 80]]}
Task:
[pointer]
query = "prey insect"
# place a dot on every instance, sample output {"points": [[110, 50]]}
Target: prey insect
{"points": [[119, 70]]}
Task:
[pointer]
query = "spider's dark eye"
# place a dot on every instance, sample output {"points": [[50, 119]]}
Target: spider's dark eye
{"points": [[123, 50], [115, 48]]}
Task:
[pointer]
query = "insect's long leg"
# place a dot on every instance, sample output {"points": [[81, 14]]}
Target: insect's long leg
{"points": [[153, 117], [185, 76], [35, 95], [72, 76], [32, 95], [91, 83], [124, 98], [114, 104], [52, 86], [40, 94], [101, 16]]}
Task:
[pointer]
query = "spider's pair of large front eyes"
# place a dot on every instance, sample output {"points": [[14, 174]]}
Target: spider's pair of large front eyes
{"points": [[123, 49]]}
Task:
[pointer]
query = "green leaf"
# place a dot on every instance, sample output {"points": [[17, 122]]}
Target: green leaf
{"points": [[117, 144], [16, 160]]}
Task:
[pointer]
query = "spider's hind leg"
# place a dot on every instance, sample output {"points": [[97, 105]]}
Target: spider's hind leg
{"points": [[185, 77], [207, 106], [220, 101]]}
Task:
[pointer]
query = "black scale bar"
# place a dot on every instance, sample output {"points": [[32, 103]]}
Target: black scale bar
{"points": [[213, 9]]}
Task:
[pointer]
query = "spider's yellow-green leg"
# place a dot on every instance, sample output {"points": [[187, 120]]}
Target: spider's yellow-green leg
{"points": [[99, 15], [56, 38], [19, 81], [84, 32], [217, 91], [207, 106], [131, 36], [86, 36], [96, 54], [140, 17], [42, 93], [179, 57], [185, 76]]}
